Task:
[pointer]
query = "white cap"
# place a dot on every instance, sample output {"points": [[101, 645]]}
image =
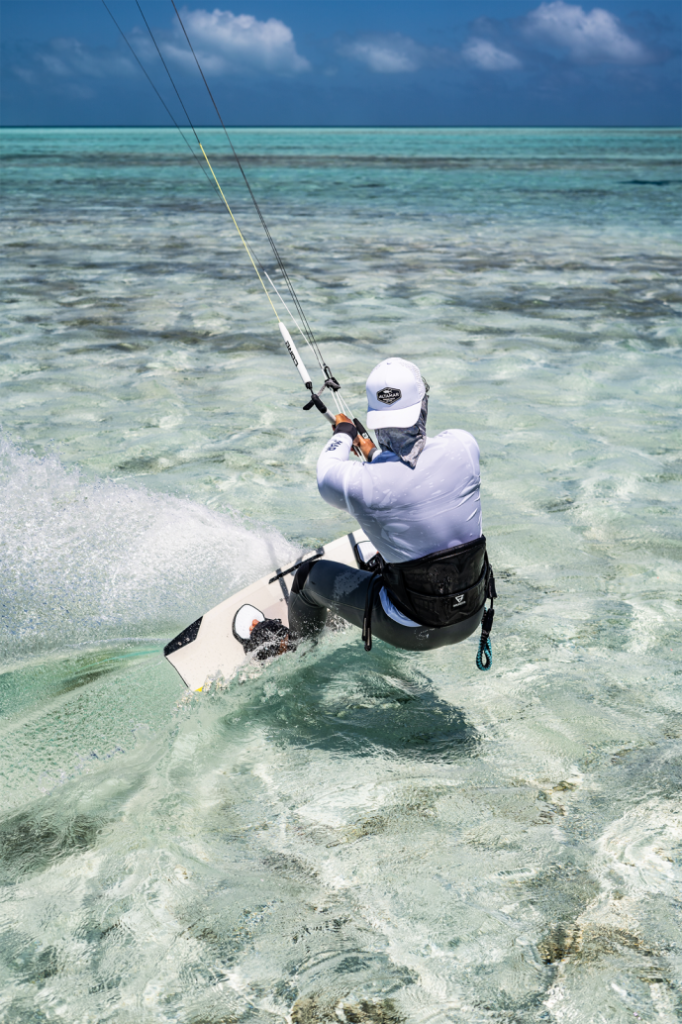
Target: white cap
{"points": [[395, 390]]}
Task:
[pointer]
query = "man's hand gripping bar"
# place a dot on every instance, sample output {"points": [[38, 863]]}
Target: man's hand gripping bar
{"points": [[362, 443]]}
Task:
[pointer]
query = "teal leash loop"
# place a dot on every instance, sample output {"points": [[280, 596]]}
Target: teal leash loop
{"points": [[484, 658]]}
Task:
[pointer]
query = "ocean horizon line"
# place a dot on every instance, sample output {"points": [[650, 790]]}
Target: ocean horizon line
{"points": [[346, 127]]}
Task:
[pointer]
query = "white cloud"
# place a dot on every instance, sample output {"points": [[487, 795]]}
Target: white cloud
{"points": [[589, 37], [484, 54], [227, 42], [25, 73], [68, 58], [386, 55]]}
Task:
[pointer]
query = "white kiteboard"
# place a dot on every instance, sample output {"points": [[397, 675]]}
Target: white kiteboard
{"points": [[208, 649]]}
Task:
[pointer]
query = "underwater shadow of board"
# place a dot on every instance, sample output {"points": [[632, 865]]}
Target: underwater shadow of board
{"points": [[339, 703]]}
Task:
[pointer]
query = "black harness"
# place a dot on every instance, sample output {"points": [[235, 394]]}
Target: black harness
{"points": [[440, 589]]}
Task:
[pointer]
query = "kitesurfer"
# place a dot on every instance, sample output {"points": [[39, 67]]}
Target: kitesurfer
{"points": [[418, 500]]}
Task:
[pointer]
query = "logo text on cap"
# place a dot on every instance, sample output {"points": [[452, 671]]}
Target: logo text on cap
{"points": [[389, 395]]}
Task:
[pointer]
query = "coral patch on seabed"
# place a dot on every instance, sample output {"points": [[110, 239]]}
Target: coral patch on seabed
{"points": [[315, 1010]]}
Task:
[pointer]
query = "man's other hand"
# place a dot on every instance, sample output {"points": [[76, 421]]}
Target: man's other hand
{"points": [[360, 443]]}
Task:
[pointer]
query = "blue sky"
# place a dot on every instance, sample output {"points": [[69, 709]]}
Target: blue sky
{"points": [[347, 62]]}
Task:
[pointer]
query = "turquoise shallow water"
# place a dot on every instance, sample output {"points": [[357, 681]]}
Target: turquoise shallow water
{"points": [[393, 837]]}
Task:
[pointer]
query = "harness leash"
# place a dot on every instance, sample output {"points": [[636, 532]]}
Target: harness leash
{"points": [[484, 658]]}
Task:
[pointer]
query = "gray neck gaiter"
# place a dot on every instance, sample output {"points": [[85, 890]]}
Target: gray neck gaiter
{"points": [[406, 442]]}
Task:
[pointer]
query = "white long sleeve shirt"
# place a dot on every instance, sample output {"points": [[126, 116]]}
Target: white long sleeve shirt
{"points": [[408, 513]]}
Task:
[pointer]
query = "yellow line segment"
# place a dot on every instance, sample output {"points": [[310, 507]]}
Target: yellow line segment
{"points": [[253, 263]]}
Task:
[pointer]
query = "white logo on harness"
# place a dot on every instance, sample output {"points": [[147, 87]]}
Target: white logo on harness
{"points": [[389, 395], [458, 600]]}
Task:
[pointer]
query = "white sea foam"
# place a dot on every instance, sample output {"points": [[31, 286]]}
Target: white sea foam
{"points": [[85, 561]]}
